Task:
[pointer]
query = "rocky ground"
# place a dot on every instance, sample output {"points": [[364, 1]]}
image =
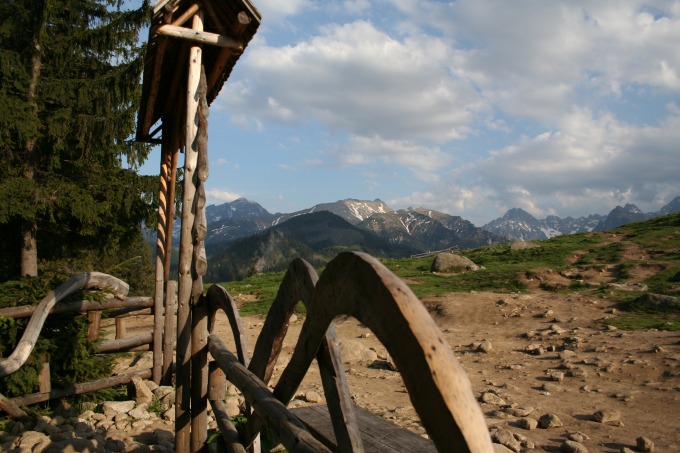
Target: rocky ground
{"points": [[548, 374]]}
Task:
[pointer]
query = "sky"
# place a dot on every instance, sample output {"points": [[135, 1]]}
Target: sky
{"points": [[470, 107]]}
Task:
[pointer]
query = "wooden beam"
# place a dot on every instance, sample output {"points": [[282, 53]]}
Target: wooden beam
{"points": [[202, 37], [242, 21], [77, 389], [189, 13], [80, 305], [287, 428], [125, 344]]}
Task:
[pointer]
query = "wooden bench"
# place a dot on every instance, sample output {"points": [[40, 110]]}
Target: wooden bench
{"points": [[377, 434]]}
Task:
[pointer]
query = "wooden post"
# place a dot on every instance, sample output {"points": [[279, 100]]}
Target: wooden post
{"points": [[121, 327], [94, 319], [183, 375], [163, 230], [44, 381], [217, 382], [169, 338], [199, 376]]}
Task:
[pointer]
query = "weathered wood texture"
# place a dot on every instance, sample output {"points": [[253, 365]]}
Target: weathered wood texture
{"points": [[77, 389], [26, 311], [378, 434], [227, 428], [169, 339], [200, 37], [199, 376], [228, 23], [298, 286], [126, 344], [92, 280], [186, 280], [357, 284], [219, 299], [94, 319], [287, 428]]}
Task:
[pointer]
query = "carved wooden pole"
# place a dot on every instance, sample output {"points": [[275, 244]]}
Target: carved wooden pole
{"points": [[183, 375], [199, 312]]}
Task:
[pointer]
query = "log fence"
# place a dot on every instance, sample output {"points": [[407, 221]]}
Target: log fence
{"points": [[119, 308]]}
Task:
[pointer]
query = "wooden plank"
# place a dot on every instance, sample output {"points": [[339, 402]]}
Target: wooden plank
{"points": [[378, 434], [201, 37]]}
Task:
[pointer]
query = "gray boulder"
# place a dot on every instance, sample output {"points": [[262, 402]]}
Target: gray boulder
{"points": [[450, 262]]}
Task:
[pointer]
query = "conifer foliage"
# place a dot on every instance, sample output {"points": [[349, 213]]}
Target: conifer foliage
{"points": [[70, 73]]}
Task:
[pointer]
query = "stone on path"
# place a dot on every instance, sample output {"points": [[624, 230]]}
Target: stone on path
{"points": [[569, 446], [607, 415], [549, 421], [527, 423], [645, 444]]}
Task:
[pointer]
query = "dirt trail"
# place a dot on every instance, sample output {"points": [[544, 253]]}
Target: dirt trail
{"points": [[550, 353]]}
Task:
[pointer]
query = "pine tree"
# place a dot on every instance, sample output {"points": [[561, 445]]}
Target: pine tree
{"points": [[70, 75]]}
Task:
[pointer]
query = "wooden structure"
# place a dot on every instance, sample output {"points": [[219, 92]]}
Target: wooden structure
{"points": [[192, 49]]}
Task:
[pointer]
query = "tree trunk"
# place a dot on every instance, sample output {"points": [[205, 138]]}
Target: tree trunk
{"points": [[29, 249], [29, 228]]}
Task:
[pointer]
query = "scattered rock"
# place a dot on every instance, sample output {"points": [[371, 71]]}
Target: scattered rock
{"points": [[312, 397], [570, 446], [507, 439], [607, 416], [520, 411], [353, 351], [577, 437], [451, 262], [485, 346], [657, 301], [645, 444], [491, 398], [549, 421], [527, 423]]}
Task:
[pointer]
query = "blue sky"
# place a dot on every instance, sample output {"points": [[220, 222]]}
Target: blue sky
{"points": [[469, 107]]}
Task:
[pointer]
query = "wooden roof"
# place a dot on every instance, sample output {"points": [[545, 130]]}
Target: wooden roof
{"points": [[228, 27]]}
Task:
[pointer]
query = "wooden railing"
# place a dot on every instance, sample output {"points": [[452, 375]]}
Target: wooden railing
{"points": [[352, 284], [123, 307]]}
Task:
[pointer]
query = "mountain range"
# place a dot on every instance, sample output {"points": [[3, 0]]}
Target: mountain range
{"points": [[518, 224], [244, 238]]}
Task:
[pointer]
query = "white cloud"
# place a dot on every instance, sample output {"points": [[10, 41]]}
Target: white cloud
{"points": [[590, 165], [276, 10], [423, 161], [533, 59], [356, 78], [221, 196]]}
